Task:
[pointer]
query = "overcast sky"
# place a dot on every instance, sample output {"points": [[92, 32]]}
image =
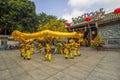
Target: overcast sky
{"points": [[72, 8]]}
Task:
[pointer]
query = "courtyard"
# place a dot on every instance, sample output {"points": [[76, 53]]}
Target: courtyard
{"points": [[91, 65]]}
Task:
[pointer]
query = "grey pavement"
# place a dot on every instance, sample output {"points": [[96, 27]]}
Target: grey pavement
{"points": [[91, 65]]}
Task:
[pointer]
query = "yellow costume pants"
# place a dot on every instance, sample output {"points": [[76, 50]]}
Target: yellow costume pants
{"points": [[60, 51], [32, 50], [76, 52], [22, 52], [48, 55], [27, 54], [40, 50], [67, 53]]}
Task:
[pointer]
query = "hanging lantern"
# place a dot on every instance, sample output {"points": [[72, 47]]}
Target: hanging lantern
{"points": [[0, 29], [68, 24], [117, 11], [87, 19]]}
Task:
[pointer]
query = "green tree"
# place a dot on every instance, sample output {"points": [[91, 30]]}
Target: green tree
{"points": [[63, 20], [54, 25], [43, 18], [18, 14]]}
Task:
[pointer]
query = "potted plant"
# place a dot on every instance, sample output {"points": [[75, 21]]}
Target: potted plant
{"points": [[98, 42]]}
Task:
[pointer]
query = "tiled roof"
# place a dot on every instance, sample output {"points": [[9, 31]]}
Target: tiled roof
{"points": [[109, 16]]}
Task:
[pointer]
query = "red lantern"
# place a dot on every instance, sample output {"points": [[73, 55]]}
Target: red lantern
{"points": [[117, 11], [0, 29], [68, 24], [87, 19]]}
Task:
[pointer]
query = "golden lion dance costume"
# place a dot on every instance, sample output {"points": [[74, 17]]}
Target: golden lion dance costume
{"points": [[29, 37], [48, 52]]}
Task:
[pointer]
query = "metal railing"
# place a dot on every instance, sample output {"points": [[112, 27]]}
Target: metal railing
{"points": [[113, 41]]}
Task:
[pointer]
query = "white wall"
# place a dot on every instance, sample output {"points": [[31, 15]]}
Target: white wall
{"points": [[12, 42]]}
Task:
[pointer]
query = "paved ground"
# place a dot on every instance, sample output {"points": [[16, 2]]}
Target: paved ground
{"points": [[91, 65]]}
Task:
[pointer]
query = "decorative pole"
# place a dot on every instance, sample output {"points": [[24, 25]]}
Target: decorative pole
{"points": [[87, 19], [96, 25]]}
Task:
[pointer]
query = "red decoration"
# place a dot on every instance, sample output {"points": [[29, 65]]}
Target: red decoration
{"points": [[87, 19], [117, 11], [0, 29], [78, 42], [68, 24]]}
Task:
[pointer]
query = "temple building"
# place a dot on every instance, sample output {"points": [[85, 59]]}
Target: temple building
{"points": [[106, 26]]}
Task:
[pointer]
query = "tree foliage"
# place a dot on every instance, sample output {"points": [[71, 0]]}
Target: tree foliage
{"points": [[43, 18], [18, 14], [54, 25]]}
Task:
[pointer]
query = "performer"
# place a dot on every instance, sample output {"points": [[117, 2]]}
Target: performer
{"points": [[27, 51], [48, 52], [59, 48], [76, 48], [72, 42], [40, 47], [22, 49], [32, 48], [67, 51]]}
